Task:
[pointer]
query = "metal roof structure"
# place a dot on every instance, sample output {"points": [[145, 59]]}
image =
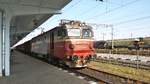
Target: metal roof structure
{"points": [[20, 17], [29, 14]]}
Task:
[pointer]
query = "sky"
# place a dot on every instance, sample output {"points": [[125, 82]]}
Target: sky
{"points": [[129, 18]]}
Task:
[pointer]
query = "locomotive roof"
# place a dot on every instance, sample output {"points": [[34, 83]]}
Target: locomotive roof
{"points": [[67, 24], [73, 24]]}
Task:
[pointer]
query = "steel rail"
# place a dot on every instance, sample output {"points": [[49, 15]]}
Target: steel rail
{"points": [[109, 78], [127, 63]]}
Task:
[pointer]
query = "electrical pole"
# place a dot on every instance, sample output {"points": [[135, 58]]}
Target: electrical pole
{"points": [[103, 36], [112, 37], [137, 47], [131, 35]]}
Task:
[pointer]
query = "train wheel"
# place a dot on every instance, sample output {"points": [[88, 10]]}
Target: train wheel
{"points": [[61, 63], [52, 60], [55, 62], [49, 59]]}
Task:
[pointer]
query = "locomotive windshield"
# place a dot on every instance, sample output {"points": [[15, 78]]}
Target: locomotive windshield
{"points": [[73, 32], [87, 33], [76, 32]]}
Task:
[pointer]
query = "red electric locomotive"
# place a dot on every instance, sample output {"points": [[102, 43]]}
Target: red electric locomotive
{"points": [[70, 43]]}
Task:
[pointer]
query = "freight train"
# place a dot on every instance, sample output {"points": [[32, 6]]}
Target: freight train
{"points": [[122, 43], [70, 43]]}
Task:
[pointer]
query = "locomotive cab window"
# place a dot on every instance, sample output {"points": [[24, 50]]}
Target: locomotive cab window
{"points": [[73, 32], [87, 33], [61, 33]]}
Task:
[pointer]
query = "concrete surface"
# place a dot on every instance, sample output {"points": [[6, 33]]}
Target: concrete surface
{"points": [[131, 57], [28, 70]]}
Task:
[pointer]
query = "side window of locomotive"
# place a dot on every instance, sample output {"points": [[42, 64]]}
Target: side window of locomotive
{"points": [[61, 33]]}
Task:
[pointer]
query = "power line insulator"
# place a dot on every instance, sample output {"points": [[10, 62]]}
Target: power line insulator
{"points": [[100, 0]]}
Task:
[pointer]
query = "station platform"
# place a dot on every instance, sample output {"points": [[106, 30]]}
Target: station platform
{"points": [[28, 70]]}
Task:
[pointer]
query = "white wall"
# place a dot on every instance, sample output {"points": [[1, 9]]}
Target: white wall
{"points": [[1, 43]]}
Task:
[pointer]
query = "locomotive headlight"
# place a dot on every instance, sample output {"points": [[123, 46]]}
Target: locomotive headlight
{"points": [[71, 46], [90, 46], [94, 57], [68, 57], [74, 58]]}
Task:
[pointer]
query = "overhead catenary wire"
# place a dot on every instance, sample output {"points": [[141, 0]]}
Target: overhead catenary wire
{"points": [[112, 19], [56, 16], [91, 9], [75, 4], [134, 28], [121, 22], [114, 9], [131, 20]]}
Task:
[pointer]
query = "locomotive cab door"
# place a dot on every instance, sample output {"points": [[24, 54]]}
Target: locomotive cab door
{"points": [[52, 44]]}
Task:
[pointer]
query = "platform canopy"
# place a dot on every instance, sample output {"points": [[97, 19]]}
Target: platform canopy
{"points": [[20, 17], [29, 14]]}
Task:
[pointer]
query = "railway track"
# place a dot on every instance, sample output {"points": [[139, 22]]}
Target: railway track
{"points": [[98, 76], [128, 63], [102, 77]]}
